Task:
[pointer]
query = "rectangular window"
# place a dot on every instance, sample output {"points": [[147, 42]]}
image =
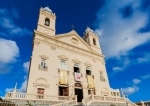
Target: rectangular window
{"points": [[63, 65], [88, 72], [40, 91], [76, 68], [43, 64]]}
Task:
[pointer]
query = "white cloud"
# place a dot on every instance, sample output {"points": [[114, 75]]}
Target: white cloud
{"points": [[116, 69], [8, 24], [136, 81], [26, 66], [8, 89], [146, 76], [21, 89], [145, 58], [9, 51], [130, 90], [120, 35]]}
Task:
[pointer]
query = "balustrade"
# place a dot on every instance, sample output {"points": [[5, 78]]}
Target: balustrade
{"points": [[26, 96]]}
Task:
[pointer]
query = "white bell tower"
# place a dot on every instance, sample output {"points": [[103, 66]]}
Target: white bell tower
{"points": [[92, 39], [46, 22]]}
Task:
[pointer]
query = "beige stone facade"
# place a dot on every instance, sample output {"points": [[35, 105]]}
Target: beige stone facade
{"points": [[66, 68], [75, 56]]}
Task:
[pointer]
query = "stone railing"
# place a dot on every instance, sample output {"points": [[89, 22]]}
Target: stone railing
{"points": [[25, 96], [67, 103], [109, 99], [131, 103], [86, 100]]}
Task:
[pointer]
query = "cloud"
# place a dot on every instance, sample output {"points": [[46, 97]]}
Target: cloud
{"points": [[122, 63], [136, 81], [5, 68], [8, 89], [8, 25], [133, 88], [26, 66], [21, 89], [130, 90], [117, 69], [144, 59], [146, 76], [121, 34], [9, 51]]}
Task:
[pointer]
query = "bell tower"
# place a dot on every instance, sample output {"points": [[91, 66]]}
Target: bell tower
{"points": [[46, 22], [92, 39]]}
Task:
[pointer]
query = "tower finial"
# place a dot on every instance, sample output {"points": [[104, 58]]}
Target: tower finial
{"points": [[121, 92], [15, 86], [72, 27]]}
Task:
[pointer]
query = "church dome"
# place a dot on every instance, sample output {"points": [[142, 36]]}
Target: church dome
{"points": [[47, 9]]}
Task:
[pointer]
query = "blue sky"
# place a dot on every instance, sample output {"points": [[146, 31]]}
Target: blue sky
{"points": [[123, 27]]}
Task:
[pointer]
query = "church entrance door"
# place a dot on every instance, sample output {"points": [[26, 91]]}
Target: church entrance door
{"points": [[63, 91], [78, 91]]}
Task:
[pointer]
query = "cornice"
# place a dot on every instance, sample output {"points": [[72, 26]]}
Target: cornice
{"points": [[73, 51], [76, 61], [73, 32], [40, 84], [36, 42], [63, 57], [48, 15], [90, 34], [44, 57], [88, 64], [67, 46], [47, 27]]}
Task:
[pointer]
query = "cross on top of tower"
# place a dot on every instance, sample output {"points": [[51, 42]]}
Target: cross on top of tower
{"points": [[72, 26]]}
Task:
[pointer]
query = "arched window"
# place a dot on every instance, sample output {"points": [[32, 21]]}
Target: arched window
{"points": [[76, 68], [88, 70], [47, 21], [63, 65], [94, 41]]}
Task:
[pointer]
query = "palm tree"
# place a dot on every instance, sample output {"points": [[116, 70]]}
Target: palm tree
{"points": [[28, 103], [1, 99]]}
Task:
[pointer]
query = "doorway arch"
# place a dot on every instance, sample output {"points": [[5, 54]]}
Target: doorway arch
{"points": [[78, 89]]}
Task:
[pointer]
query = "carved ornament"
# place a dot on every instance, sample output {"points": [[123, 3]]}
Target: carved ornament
{"points": [[44, 57]]}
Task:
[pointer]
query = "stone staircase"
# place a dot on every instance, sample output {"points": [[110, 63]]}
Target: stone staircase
{"points": [[79, 104], [95, 100], [107, 104]]}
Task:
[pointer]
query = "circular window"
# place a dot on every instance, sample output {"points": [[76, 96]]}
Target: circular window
{"points": [[74, 40]]}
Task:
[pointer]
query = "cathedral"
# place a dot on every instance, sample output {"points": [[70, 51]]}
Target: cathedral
{"points": [[67, 68]]}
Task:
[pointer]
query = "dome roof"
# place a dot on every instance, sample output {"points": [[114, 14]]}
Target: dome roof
{"points": [[47, 9]]}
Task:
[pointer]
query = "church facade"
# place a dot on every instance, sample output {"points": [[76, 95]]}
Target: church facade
{"points": [[66, 64], [66, 67]]}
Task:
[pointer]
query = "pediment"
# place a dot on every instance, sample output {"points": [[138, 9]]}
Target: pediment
{"points": [[72, 38]]}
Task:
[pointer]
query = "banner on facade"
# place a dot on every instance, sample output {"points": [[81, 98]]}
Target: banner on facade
{"points": [[90, 82], [63, 77], [77, 76]]}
